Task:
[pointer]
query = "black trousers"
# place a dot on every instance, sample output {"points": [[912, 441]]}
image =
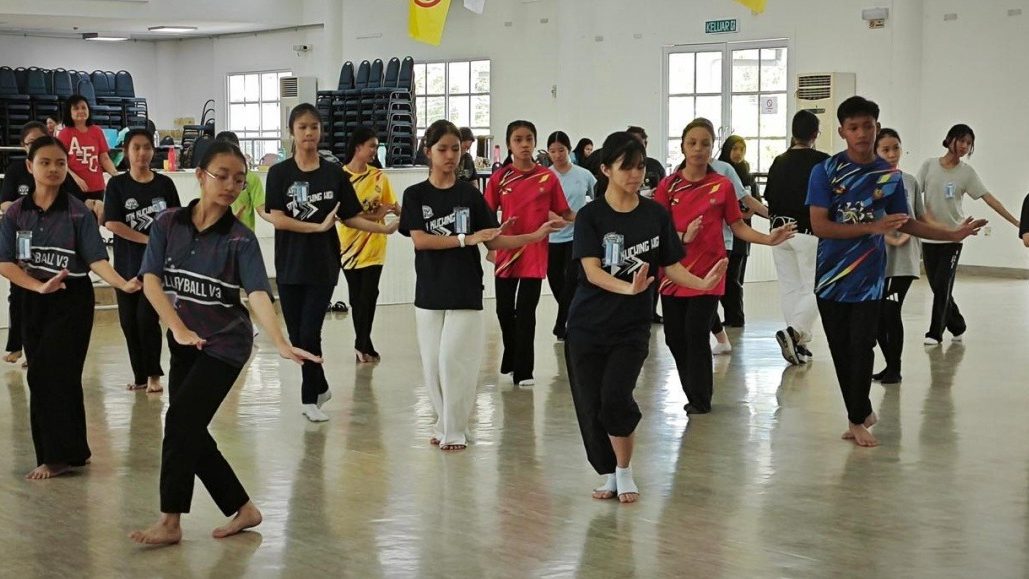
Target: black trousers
{"points": [[732, 300], [562, 275], [687, 323], [142, 329], [197, 385], [55, 331], [363, 285], [941, 267], [602, 377], [14, 300], [304, 307], [891, 326], [850, 329], [517, 299]]}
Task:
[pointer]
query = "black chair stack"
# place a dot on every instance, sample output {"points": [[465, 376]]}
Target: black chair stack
{"points": [[35, 93], [378, 96]]}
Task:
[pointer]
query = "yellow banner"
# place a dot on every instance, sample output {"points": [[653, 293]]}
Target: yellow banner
{"points": [[425, 20], [757, 6]]}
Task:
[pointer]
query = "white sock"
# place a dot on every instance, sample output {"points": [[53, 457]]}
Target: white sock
{"points": [[313, 413], [323, 398], [623, 478], [609, 486]]}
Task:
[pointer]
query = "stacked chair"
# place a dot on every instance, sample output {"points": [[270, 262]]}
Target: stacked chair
{"points": [[35, 93], [378, 96]]}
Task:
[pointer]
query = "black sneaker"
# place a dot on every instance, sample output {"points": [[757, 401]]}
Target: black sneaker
{"points": [[891, 378], [691, 409], [788, 347], [878, 376]]}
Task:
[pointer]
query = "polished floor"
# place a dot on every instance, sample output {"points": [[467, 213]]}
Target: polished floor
{"points": [[762, 487]]}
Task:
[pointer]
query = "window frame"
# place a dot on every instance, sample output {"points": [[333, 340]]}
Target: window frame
{"points": [[423, 121], [249, 139]]}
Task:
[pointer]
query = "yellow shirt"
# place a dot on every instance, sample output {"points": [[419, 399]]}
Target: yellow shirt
{"points": [[360, 248]]}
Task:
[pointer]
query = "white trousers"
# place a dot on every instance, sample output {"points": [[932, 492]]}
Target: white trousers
{"points": [[795, 263], [451, 344]]}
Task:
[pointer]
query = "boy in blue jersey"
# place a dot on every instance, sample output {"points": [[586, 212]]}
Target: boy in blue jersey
{"points": [[855, 198]]}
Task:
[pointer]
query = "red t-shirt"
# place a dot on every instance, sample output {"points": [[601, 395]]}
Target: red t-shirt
{"points": [[530, 196], [714, 198], [84, 150]]}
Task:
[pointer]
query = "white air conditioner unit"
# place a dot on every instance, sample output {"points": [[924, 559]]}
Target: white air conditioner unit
{"points": [[293, 91], [822, 93]]}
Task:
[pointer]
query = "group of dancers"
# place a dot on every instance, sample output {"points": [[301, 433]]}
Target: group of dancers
{"points": [[607, 246]]}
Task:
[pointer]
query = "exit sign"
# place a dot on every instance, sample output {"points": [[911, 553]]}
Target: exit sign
{"points": [[720, 26]]}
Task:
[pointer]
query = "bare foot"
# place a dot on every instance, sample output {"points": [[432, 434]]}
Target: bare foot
{"points": [[45, 471], [12, 357], [602, 494], [629, 497], [861, 436], [153, 385], [869, 423], [608, 490], [247, 517], [164, 532], [25, 363], [131, 386], [434, 441], [452, 447]]}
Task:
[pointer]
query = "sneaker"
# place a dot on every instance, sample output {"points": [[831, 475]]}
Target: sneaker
{"points": [[788, 347], [930, 341], [891, 378], [323, 398], [958, 338], [878, 376], [526, 382], [313, 413], [720, 348], [691, 409]]}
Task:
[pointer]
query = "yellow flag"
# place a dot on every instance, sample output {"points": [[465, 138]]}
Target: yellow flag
{"points": [[757, 6], [425, 20]]}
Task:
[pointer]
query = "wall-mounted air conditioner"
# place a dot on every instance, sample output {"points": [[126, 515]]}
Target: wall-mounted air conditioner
{"points": [[822, 93], [294, 90]]}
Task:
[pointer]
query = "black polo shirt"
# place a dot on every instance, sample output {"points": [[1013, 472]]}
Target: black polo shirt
{"points": [[203, 272], [64, 236]]}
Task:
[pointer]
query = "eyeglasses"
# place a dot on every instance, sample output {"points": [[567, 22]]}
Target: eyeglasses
{"points": [[238, 183]]}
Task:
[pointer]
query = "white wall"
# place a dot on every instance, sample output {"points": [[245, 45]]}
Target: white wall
{"points": [[975, 73]]}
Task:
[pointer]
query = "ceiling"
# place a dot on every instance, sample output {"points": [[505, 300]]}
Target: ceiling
{"points": [[132, 18]]}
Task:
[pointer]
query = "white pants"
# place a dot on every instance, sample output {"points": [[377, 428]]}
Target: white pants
{"points": [[795, 263], [451, 344]]}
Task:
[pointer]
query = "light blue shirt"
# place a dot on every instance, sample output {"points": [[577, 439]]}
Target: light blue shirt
{"points": [[725, 169], [578, 184]]}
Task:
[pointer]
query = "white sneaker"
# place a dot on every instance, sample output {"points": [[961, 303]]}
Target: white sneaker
{"points": [[313, 413], [958, 339], [528, 382], [931, 341], [323, 398], [720, 348]]}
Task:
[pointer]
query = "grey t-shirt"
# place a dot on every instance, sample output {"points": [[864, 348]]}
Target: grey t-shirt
{"points": [[944, 190], [903, 261]]}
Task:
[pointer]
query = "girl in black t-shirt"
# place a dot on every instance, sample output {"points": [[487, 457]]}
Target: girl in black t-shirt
{"points": [[132, 202], [197, 261], [446, 219], [49, 243], [620, 238], [306, 195]]}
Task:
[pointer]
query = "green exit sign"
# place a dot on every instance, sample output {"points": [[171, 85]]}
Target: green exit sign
{"points": [[720, 26]]}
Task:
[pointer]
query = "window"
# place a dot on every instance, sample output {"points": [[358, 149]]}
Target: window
{"points": [[457, 91], [254, 111], [741, 89]]}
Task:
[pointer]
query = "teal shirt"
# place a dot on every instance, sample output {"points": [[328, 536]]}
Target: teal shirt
{"points": [[578, 184]]}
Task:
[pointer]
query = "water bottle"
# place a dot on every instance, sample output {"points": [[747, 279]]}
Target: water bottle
{"points": [[173, 159], [382, 154]]}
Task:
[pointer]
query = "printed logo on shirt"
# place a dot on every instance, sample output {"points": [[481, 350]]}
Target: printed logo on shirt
{"points": [[131, 204], [86, 155], [854, 212], [181, 284], [439, 226], [52, 260], [142, 219], [304, 207], [23, 190], [426, 212], [630, 263]]}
